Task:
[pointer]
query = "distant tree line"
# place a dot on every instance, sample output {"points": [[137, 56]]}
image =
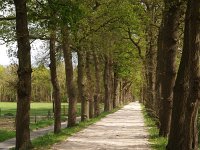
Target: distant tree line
{"points": [[41, 84]]}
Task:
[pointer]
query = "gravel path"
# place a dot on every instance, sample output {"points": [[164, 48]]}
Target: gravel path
{"points": [[122, 130]]}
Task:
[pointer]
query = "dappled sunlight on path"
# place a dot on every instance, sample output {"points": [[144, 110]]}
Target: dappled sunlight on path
{"points": [[122, 130]]}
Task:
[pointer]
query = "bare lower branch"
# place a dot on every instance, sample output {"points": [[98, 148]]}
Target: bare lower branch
{"points": [[136, 44]]}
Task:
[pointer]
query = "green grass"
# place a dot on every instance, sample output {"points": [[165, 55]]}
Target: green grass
{"points": [[157, 143], [39, 109], [46, 141], [9, 107], [44, 123], [6, 135], [41, 124]]}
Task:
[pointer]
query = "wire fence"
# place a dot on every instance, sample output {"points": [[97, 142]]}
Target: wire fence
{"points": [[37, 114]]}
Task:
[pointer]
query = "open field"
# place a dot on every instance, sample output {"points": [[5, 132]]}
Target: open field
{"points": [[41, 116], [39, 109]]}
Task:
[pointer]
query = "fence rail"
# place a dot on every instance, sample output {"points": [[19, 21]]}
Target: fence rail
{"points": [[37, 114]]}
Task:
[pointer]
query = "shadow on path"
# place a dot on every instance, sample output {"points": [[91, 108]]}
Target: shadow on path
{"points": [[122, 130]]}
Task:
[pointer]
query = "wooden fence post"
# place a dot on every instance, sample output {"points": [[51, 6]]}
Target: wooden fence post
{"points": [[64, 111], [35, 118]]}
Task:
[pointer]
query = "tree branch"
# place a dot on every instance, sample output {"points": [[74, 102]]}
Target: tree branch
{"points": [[112, 20], [9, 18], [135, 43], [33, 37]]}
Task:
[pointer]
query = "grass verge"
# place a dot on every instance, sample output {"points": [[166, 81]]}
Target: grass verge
{"points": [[6, 135], [46, 141], [41, 124], [157, 143]]}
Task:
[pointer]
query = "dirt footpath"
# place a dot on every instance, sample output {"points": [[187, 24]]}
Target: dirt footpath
{"points": [[122, 130]]}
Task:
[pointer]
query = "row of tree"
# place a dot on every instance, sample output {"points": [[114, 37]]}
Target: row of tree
{"points": [[170, 94], [123, 47], [105, 35]]}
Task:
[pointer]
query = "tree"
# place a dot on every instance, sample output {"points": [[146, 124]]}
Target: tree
{"points": [[81, 86], [192, 104], [172, 15], [53, 70], [69, 15], [69, 78], [97, 85], [56, 87], [159, 69], [90, 86], [107, 83], [180, 95], [151, 52], [24, 76], [183, 132]]}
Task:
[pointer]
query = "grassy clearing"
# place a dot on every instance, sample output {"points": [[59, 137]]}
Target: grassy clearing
{"points": [[46, 141], [7, 130], [41, 124], [36, 108], [6, 135], [39, 109], [157, 143]]}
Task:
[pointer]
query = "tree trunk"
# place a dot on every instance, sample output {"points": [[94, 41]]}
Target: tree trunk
{"points": [[170, 34], [111, 81], [192, 105], [97, 86], [150, 56], [69, 78], [176, 138], [116, 84], [90, 91], [107, 85], [24, 77], [159, 70], [55, 84], [120, 93], [81, 87]]}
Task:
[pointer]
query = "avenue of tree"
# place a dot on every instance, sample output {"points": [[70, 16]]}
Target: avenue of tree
{"points": [[148, 49]]}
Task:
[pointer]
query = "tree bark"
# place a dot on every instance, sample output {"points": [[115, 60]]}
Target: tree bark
{"points": [[111, 81], [69, 78], [171, 20], [116, 85], [81, 87], [107, 85], [90, 91], [192, 105], [159, 70], [97, 86], [150, 61], [24, 77], [55, 84], [176, 137], [120, 93]]}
